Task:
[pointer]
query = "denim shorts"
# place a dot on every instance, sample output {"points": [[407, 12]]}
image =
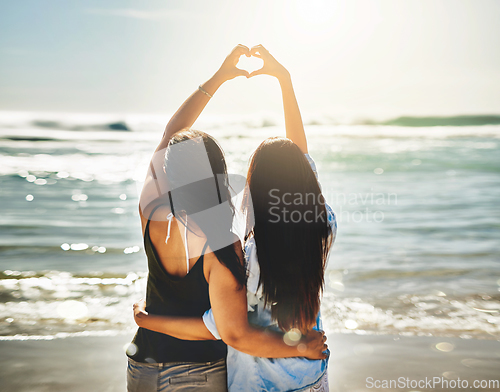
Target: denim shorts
{"points": [[176, 376]]}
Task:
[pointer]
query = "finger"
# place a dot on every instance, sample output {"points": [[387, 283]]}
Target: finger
{"points": [[256, 52], [245, 50], [242, 49], [242, 72], [259, 48], [257, 72]]}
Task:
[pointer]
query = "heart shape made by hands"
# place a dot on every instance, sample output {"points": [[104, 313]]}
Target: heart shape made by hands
{"points": [[250, 64]]}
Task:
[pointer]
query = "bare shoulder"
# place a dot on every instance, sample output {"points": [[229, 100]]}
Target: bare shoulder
{"points": [[212, 262], [155, 211]]}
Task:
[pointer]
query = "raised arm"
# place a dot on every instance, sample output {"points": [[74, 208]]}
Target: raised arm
{"points": [[189, 111], [293, 120], [185, 117]]}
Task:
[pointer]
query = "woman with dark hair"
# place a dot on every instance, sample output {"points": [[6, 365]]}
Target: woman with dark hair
{"points": [[286, 253], [195, 262]]}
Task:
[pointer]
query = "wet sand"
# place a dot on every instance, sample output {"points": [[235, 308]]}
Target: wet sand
{"points": [[356, 358], [98, 364], [91, 364]]}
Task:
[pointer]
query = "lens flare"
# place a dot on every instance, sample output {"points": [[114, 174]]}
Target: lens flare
{"points": [[130, 349], [445, 347], [292, 337], [351, 324]]}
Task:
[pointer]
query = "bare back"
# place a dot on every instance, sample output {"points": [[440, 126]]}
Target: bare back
{"points": [[172, 254]]}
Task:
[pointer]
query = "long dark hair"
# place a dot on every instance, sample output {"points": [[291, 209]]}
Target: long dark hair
{"points": [[191, 157], [291, 232]]}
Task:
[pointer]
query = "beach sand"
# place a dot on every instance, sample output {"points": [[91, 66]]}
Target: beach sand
{"points": [[358, 357], [98, 364]]}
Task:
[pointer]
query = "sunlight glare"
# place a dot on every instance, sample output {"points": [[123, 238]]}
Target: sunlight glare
{"points": [[315, 11], [343, 25], [312, 17]]}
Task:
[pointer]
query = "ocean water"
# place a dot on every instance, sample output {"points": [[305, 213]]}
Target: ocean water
{"points": [[417, 250]]}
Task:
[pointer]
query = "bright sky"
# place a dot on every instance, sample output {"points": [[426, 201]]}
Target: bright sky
{"points": [[363, 57]]}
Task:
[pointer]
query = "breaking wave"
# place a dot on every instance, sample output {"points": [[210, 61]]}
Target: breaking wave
{"points": [[51, 305]]}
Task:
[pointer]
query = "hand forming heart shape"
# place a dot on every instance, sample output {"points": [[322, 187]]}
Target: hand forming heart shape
{"points": [[269, 65], [249, 64]]}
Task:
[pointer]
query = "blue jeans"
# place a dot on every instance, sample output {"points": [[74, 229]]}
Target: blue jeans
{"points": [[176, 376]]}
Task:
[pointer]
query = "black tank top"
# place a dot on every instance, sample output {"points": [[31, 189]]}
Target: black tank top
{"points": [[169, 295]]}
